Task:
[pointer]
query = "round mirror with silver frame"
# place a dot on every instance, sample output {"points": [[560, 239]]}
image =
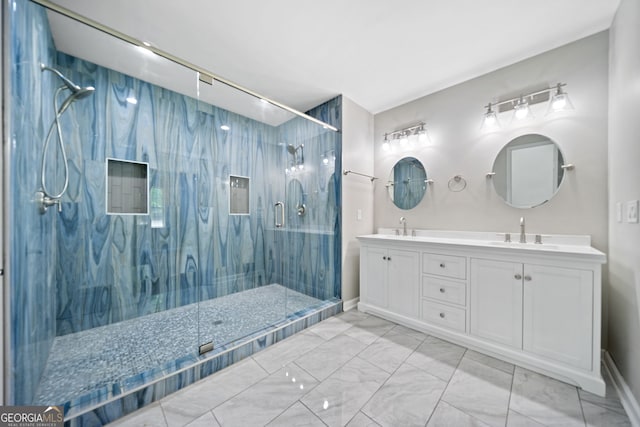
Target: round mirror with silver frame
{"points": [[528, 171], [407, 183]]}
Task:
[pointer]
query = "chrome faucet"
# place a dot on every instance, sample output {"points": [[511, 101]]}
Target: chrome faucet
{"points": [[403, 221], [523, 236]]}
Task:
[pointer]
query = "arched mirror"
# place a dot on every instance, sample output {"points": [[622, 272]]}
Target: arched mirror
{"points": [[407, 183], [528, 171]]}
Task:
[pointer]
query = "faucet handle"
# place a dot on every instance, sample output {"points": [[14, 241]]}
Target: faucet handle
{"points": [[402, 219], [538, 239]]}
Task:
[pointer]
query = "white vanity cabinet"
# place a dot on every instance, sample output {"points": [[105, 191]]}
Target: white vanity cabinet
{"points": [[542, 309], [533, 305], [496, 298], [392, 276], [558, 314]]}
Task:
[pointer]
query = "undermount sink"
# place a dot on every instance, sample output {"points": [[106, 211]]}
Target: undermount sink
{"points": [[523, 245]]}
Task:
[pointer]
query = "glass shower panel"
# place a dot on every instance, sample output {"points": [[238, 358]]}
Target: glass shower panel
{"points": [[111, 283], [241, 178], [308, 242]]}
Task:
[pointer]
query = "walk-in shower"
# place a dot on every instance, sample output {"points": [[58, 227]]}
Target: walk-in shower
{"points": [[44, 197], [109, 308]]}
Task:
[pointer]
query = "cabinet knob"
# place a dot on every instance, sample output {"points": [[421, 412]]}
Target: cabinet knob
{"points": [[389, 258], [384, 258], [442, 315], [442, 290], [442, 265], [518, 276], [527, 278]]}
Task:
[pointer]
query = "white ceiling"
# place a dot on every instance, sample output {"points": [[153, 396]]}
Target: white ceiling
{"points": [[379, 53]]}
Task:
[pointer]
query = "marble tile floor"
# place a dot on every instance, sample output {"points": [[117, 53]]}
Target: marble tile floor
{"points": [[113, 356], [358, 370]]}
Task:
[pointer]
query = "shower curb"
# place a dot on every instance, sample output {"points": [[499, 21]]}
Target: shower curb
{"points": [[131, 401]]}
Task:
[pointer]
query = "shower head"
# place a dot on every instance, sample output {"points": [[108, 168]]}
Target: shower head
{"points": [[76, 91], [291, 149], [70, 85], [82, 93]]}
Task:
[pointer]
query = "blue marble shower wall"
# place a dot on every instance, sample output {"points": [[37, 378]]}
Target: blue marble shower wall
{"points": [[81, 268]]}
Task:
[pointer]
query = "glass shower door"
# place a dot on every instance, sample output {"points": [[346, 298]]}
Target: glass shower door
{"points": [[240, 180]]}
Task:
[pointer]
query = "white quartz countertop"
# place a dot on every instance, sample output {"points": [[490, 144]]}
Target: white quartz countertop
{"points": [[552, 244]]}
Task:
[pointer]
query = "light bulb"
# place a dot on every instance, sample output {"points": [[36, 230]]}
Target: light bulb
{"points": [[560, 100], [489, 120], [522, 110], [404, 139], [325, 161], [301, 166], [225, 127], [385, 144]]}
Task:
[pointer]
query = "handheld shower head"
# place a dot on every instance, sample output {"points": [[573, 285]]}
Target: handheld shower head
{"points": [[82, 93], [291, 149], [79, 92]]}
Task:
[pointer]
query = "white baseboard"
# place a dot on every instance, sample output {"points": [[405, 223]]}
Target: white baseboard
{"points": [[627, 398], [352, 303]]}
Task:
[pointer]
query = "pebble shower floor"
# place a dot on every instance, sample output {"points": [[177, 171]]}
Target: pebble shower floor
{"points": [[108, 359]]}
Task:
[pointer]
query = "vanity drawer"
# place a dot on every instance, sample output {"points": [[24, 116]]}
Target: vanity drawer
{"points": [[443, 315], [445, 265], [444, 290]]}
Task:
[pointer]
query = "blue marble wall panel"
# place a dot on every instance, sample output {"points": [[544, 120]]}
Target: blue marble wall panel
{"points": [[82, 268]]}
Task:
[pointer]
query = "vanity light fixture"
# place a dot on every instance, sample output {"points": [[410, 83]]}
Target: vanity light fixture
{"points": [[385, 145], [406, 136], [560, 100], [522, 110], [557, 97], [490, 120]]}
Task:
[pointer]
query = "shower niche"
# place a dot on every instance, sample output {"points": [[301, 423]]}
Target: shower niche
{"points": [[238, 195], [127, 187]]}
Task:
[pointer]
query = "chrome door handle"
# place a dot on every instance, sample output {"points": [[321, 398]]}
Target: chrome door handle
{"points": [[275, 214]]}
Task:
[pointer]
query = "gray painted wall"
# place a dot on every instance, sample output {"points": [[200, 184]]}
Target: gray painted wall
{"points": [[624, 185], [459, 146], [357, 191]]}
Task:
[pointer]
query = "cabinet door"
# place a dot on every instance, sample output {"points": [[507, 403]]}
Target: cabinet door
{"points": [[404, 282], [558, 314], [373, 276], [496, 301]]}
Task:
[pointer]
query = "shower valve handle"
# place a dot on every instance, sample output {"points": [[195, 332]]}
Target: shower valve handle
{"points": [[45, 201]]}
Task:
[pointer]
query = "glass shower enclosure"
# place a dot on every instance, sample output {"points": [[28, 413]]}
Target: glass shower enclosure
{"points": [[157, 218]]}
